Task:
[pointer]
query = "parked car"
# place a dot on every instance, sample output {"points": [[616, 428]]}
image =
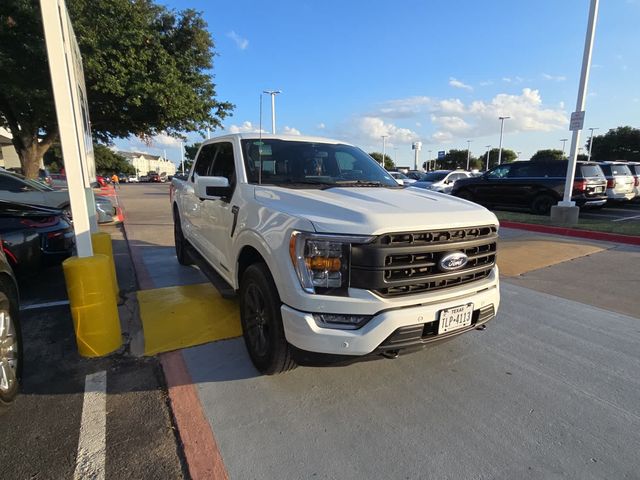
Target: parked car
{"points": [[154, 177], [415, 174], [144, 178], [102, 181], [620, 181], [33, 237], [16, 188], [132, 179], [401, 178], [635, 171], [536, 185], [10, 335], [122, 178], [332, 259], [58, 181], [440, 180]]}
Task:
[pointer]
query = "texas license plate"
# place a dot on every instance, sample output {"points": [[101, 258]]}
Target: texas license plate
{"points": [[455, 318]]}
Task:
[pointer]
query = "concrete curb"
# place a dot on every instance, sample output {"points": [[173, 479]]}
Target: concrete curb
{"points": [[573, 232]]}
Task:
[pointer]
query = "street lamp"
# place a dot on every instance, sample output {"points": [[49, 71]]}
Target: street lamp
{"points": [[591, 143], [468, 155], [488, 151], [384, 148], [429, 162], [273, 94], [564, 142], [502, 119]]}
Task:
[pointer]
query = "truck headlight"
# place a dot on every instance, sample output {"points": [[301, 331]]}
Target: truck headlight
{"points": [[322, 261]]}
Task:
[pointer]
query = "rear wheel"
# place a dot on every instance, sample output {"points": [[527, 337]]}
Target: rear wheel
{"points": [[465, 195], [10, 347], [181, 244], [541, 205], [261, 319]]}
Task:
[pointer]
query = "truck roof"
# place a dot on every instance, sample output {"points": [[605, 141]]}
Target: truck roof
{"points": [[277, 136]]}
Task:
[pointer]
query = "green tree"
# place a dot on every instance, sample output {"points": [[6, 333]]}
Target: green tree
{"points": [[454, 159], [622, 143], [548, 153], [190, 152], [110, 162], [147, 70], [388, 162]]}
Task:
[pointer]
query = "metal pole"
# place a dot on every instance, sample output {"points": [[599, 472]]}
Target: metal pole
{"points": [[384, 147], [208, 133], [182, 156], [502, 119], [564, 143], [468, 145], [273, 94], [429, 161], [591, 143], [488, 151], [580, 103]]}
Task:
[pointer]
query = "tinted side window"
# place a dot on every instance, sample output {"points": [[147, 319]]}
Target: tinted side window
{"points": [[606, 169], [500, 172], [204, 162], [224, 165]]}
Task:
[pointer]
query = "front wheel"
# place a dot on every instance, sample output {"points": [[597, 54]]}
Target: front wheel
{"points": [[10, 348], [261, 320]]}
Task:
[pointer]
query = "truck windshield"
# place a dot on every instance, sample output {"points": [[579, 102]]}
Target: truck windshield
{"points": [[297, 164]]}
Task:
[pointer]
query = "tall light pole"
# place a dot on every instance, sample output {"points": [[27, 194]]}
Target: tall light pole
{"points": [[502, 119], [566, 210], [468, 155], [182, 155], [591, 143], [429, 162], [273, 94], [384, 148], [564, 142], [518, 153], [488, 151]]}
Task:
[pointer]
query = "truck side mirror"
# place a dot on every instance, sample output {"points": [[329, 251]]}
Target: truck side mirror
{"points": [[212, 188]]}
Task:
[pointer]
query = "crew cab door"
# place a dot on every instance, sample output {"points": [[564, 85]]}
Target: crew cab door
{"points": [[219, 214], [192, 207]]}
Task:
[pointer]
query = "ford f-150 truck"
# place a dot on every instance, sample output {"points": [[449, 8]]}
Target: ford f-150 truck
{"points": [[331, 258]]}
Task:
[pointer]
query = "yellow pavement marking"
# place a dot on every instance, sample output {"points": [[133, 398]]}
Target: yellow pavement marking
{"points": [[516, 257], [179, 317]]}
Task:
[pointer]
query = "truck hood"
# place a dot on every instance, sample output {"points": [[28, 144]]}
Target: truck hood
{"points": [[373, 211]]}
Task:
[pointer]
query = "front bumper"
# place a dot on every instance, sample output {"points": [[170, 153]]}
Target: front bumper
{"points": [[302, 331]]}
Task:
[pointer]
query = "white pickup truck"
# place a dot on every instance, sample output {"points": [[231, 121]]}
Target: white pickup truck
{"points": [[331, 258]]}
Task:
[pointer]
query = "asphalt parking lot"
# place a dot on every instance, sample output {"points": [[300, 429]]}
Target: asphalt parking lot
{"points": [[548, 390], [616, 212]]}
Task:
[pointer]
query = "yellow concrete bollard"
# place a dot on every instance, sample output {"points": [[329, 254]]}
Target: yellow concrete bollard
{"points": [[93, 306], [101, 243]]}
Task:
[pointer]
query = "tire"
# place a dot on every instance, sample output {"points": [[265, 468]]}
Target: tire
{"points": [[541, 205], [181, 243], [465, 195], [262, 322], [10, 333]]}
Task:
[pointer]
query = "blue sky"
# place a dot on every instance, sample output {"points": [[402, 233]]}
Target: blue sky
{"points": [[436, 71]]}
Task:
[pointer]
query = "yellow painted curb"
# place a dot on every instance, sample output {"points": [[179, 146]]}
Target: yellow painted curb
{"points": [[93, 305], [184, 316], [516, 257]]}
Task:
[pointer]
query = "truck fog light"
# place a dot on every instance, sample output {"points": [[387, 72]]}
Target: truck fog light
{"points": [[345, 322]]}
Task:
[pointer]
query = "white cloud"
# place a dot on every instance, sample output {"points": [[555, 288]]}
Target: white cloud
{"points": [[165, 141], [555, 78], [403, 108], [321, 126], [515, 79], [290, 131], [371, 129], [246, 127], [458, 84], [241, 42], [486, 83], [454, 119]]}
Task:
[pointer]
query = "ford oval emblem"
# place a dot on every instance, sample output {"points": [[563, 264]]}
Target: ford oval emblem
{"points": [[453, 261]]}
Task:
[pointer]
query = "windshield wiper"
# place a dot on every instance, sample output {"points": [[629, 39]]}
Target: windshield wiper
{"points": [[359, 183]]}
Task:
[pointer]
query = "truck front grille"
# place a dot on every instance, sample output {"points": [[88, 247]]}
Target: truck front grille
{"points": [[406, 263]]}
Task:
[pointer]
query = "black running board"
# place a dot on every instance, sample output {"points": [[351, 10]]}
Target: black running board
{"points": [[208, 271]]}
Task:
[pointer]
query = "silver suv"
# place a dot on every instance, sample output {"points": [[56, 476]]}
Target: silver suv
{"points": [[441, 180], [620, 181]]}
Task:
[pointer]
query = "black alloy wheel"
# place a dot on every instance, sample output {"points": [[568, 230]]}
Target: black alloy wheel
{"points": [[261, 320], [541, 205]]}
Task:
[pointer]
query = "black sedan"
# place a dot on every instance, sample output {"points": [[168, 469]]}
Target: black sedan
{"points": [[34, 237]]}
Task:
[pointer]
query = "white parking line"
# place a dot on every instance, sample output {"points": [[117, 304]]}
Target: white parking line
{"points": [[36, 306], [90, 462], [626, 218]]}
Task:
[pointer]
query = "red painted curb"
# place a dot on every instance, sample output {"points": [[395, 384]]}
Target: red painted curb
{"points": [[201, 451], [200, 448], [573, 232]]}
